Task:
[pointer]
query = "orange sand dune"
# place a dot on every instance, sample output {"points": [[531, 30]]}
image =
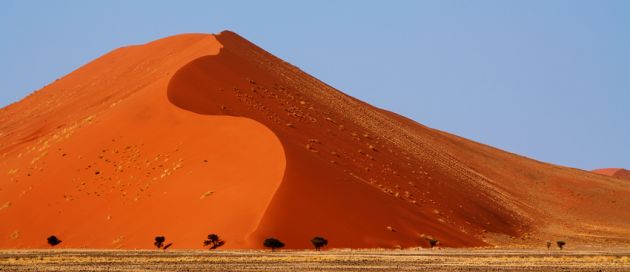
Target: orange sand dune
{"points": [[614, 172], [197, 134]]}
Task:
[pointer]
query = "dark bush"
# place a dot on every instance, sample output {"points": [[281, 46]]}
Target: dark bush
{"points": [[213, 241], [560, 244], [53, 240], [319, 242], [273, 243], [433, 242], [159, 241], [548, 244]]}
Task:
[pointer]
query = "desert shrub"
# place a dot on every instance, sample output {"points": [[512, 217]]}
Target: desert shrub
{"points": [[548, 244], [53, 240], [319, 242], [433, 242], [273, 243], [213, 241], [561, 244], [159, 241]]}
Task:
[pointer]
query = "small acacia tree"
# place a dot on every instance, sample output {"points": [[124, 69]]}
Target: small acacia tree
{"points": [[433, 242], [159, 241], [53, 240], [319, 242], [273, 243], [213, 241], [560, 244]]}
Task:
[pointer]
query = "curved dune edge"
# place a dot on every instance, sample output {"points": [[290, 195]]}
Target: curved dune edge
{"points": [[180, 95], [315, 197]]}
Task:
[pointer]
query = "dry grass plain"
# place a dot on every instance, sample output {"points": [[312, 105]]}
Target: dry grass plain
{"points": [[333, 260]]}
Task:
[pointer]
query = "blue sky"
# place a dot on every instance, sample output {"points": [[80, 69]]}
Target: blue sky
{"points": [[545, 79]]}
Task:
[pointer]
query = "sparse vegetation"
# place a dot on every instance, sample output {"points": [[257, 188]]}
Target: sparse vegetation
{"points": [[273, 243], [560, 244], [159, 241], [548, 244], [433, 242], [53, 240], [213, 241], [319, 242]]}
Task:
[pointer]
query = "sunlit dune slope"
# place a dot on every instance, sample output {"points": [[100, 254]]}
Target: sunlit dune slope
{"points": [[197, 134], [101, 158]]}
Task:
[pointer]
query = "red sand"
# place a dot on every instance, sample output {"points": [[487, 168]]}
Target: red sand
{"points": [[197, 134], [614, 172]]}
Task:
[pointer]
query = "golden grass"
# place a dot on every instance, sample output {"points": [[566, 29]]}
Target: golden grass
{"points": [[333, 260]]}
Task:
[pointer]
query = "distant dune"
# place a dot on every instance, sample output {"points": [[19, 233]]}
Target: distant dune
{"points": [[614, 172], [197, 134]]}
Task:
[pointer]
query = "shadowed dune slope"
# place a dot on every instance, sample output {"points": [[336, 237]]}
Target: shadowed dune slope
{"points": [[194, 134]]}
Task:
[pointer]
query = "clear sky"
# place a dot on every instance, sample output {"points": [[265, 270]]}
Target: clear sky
{"points": [[545, 79]]}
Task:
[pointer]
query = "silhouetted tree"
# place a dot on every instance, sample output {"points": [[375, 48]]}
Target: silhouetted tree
{"points": [[53, 240], [159, 241], [560, 244], [433, 242], [273, 243], [213, 241], [548, 244], [319, 242]]}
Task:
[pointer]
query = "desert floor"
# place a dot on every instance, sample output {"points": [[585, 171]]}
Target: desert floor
{"points": [[333, 260]]}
